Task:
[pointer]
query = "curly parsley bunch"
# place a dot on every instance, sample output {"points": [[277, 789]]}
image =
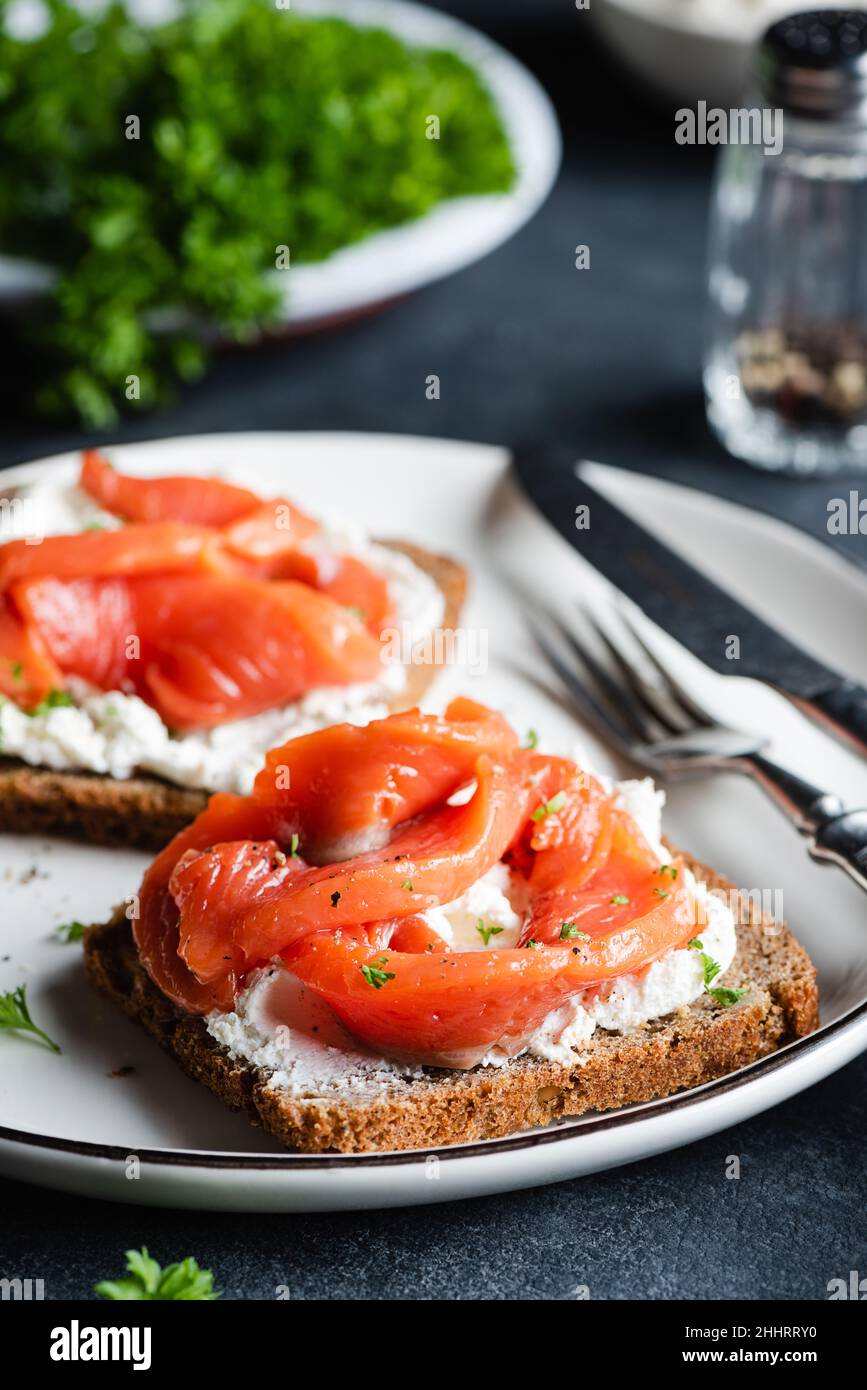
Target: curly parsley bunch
{"points": [[158, 170]]}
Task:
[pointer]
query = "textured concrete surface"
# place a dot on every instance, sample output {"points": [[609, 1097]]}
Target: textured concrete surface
{"points": [[608, 358]]}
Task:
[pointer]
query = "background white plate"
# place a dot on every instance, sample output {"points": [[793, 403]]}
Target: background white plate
{"points": [[692, 50], [77, 1125], [452, 235]]}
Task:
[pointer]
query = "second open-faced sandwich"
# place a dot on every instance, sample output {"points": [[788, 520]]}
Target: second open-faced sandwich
{"points": [[159, 635], [419, 932]]}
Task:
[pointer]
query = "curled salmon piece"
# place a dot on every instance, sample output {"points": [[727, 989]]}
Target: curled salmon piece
{"points": [[277, 541], [323, 797], [27, 670], [344, 789], [600, 905], [333, 868], [449, 1008], [432, 860], [215, 648], [201, 649], [210, 604], [270, 532], [204, 501], [161, 548], [88, 626], [156, 917]]}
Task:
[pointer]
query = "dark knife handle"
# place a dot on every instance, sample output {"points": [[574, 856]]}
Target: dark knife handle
{"points": [[846, 709]]}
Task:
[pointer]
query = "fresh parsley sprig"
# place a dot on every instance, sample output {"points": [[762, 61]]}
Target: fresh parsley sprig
{"points": [[486, 932], [570, 931], [375, 974], [69, 932], [721, 994], [55, 699], [549, 808], [182, 1282], [15, 1014]]}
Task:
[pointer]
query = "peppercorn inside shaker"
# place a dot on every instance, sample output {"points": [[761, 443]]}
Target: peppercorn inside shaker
{"points": [[786, 349]]}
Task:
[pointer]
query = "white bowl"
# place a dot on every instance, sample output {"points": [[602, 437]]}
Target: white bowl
{"points": [[692, 50]]}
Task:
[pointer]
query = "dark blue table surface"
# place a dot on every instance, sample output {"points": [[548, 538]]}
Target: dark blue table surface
{"points": [[608, 358]]}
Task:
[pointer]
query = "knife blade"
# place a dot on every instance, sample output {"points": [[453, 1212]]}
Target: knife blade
{"points": [[686, 604]]}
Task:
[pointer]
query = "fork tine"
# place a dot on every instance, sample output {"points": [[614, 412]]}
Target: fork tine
{"points": [[662, 700], [629, 712], [687, 701], [605, 724]]}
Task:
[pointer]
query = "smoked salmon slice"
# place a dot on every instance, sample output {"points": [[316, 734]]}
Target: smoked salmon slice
{"points": [[344, 789], [211, 604], [333, 867], [27, 671], [200, 649], [161, 548], [203, 501]]}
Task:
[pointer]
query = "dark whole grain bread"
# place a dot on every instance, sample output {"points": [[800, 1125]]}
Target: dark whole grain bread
{"points": [[144, 812], [682, 1050]]}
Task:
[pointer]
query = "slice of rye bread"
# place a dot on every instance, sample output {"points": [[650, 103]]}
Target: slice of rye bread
{"points": [[145, 811], [682, 1050]]}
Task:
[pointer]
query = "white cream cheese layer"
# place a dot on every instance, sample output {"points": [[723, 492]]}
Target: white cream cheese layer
{"points": [[117, 734], [271, 1024]]}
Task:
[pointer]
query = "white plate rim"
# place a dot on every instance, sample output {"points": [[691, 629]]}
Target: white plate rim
{"points": [[855, 1022], [846, 1033]]}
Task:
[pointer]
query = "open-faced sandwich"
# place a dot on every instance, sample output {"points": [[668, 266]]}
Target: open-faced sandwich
{"points": [[418, 932], [159, 635]]}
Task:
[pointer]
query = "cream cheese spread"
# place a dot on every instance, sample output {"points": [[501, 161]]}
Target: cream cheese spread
{"points": [[118, 734]]}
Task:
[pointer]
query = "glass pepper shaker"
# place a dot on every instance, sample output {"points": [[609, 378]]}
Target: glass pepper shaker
{"points": [[785, 368]]}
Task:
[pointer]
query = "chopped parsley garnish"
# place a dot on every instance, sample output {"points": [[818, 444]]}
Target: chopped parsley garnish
{"points": [[374, 973], [659, 893], [711, 968], [531, 741], [55, 699], [293, 846], [17, 670], [183, 1282], [619, 900], [69, 932], [528, 945], [721, 994], [487, 932], [668, 869], [570, 931], [549, 807], [407, 884], [14, 1013]]}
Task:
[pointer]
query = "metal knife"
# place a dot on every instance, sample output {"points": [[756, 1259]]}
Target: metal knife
{"points": [[691, 608]]}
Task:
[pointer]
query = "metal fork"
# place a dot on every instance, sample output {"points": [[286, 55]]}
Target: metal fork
{"points": [[645, 712]]}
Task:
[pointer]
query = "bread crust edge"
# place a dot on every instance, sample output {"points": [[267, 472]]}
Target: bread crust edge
{"points": [[684, 1050]]}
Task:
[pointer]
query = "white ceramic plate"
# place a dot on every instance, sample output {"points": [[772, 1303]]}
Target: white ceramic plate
{"points": [[452, 235], [691, 50], [68, 1123]]}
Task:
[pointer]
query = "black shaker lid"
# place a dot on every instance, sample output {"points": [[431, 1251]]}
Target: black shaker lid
{"points": [[814, 63]]}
